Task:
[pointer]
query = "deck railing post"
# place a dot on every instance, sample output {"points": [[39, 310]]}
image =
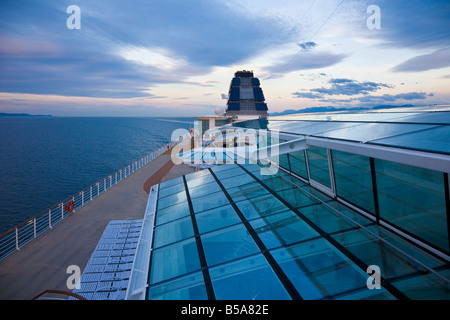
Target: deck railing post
{"points": [[34, 227], [49, 218], [17, 239]]}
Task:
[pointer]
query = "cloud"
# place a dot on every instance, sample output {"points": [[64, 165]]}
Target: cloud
{"points": [[306, 61], [348, 87], [357, 92], [436, 60], [123, 50], [308, 95], [412, 24], [391, 98], [306, 46]]}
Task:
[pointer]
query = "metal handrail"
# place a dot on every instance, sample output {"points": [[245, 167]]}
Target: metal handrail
{"points": [[61, 292], [12, 240]]}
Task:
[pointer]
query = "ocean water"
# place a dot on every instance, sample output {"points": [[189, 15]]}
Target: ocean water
{"points": [[44, 160]]}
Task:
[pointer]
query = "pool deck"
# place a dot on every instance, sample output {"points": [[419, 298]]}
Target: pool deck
{"points": [[42, 263]]}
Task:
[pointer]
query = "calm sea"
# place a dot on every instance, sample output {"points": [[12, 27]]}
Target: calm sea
{"points": [[46, 160]]}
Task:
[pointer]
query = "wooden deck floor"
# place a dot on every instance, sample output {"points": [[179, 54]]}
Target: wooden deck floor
{"points": [[42, 263]]}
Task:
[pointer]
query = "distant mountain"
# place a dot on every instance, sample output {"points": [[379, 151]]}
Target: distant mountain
{"points": [[22, 115], [331, 109]]}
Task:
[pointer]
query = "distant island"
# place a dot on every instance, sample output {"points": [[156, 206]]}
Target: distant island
{"points": [[2, 114], [331, 109]]}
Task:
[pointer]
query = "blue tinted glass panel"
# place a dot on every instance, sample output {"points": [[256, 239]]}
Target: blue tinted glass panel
{"points": [[190, 287], [171, 200], [236, 181], [437, 140], [319, 270], [228, 244], [352, 172], [203, 190], [298, 163], [174, 231], [318, 166], [414, 199], [326, 218], [276, 183], [247, 279], [366, 294], [216, 218], [171, 182], [282, 229], [172, 213], [297, 198], [425, 287], [235, 171], [373, 252], [260, 206], [174, 260], [372, 131], [247, 191], [171, 190], [200, 181], [213, 200]]}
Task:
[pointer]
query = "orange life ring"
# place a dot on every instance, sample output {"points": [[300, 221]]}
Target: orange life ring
{"points": [[70, 206]]}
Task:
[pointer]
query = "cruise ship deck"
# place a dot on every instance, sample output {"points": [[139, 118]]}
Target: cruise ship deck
{"points": [[42, 264]]}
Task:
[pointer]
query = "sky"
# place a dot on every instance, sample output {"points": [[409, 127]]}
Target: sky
{"points": [[176, 57]]}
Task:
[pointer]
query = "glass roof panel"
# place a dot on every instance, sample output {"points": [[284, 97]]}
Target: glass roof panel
{"points": [[318, 270], [216, 218], [436, 139], [173, 212], [191, 287], [203, 190], [260, 206], [250, 278], [227, 244], [172, 232], [372, 131], [213, 200], [174, 260], [282, 229], [427, 117], [172, 199]]}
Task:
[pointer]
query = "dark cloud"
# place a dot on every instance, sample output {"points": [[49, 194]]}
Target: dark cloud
{"points": [[349, 87], [308, 95], [306, 46], [436, 60], [38, 54]]}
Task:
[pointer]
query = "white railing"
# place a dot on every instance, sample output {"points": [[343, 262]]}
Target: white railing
{"points": [[16, 237]]}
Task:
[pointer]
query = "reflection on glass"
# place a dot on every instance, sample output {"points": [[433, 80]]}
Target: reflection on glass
{"points": [[172, 213], [227, 244], [210, 201], [318, 270], [248, 279], [351, 173], [298, 163], [216, 218], [260, 206], [318, 166], [282, 229], [172, 232], [190, 287], [174, 260], [414, 199], [171, 200]]}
